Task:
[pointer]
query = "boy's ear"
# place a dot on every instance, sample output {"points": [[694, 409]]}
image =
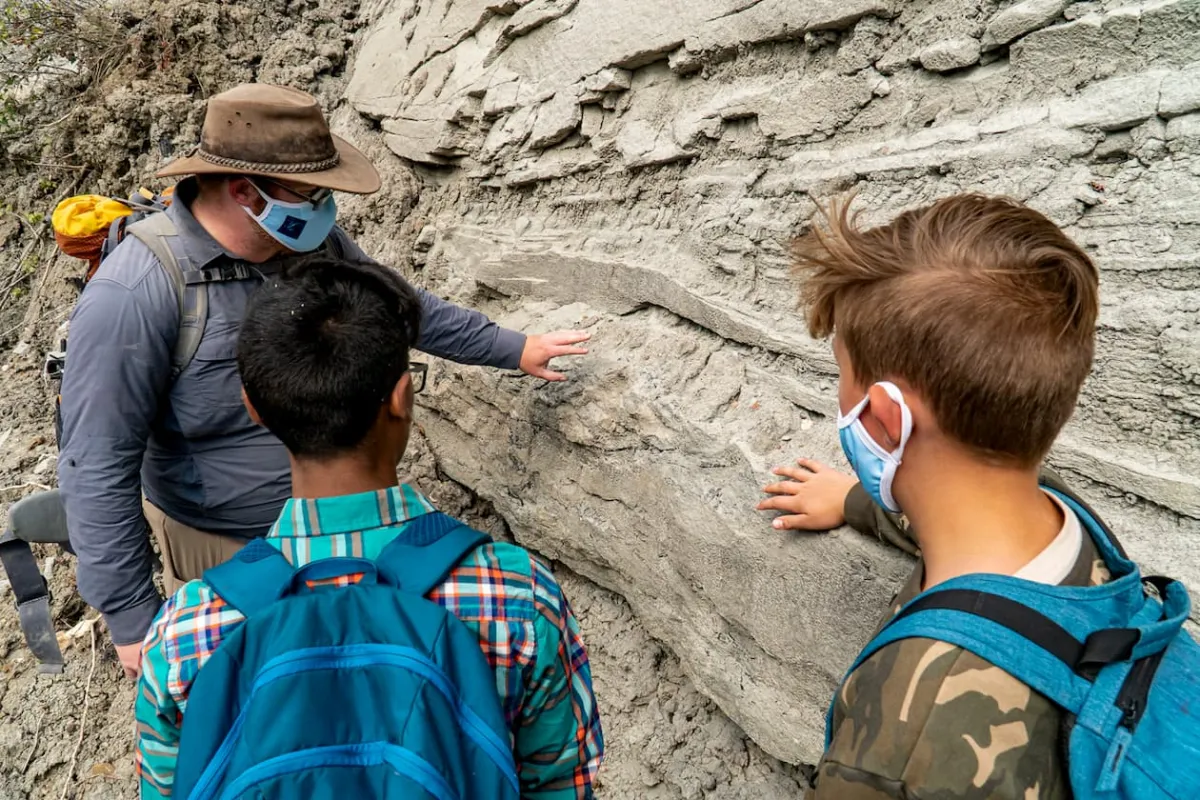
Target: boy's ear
{"points": [[400, 402], [250, 409], [886, 412]]}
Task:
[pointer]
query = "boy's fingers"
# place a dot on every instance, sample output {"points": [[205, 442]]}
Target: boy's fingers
{"points": [[793, 522], [783, 487], [785, 503], [810, 465], [793, 473]]}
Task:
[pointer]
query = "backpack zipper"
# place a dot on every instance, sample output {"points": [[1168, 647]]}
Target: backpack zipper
{"points": [[1134, 695]]}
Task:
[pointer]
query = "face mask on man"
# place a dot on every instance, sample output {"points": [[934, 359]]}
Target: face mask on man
{"points": [[300, 227], [874, 466]]}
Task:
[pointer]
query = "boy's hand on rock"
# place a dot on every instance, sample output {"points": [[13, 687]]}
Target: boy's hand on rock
{"points": [[539, 349], [813, 500]]}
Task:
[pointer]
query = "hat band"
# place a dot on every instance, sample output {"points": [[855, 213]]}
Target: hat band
{"points": [[298, 167]]}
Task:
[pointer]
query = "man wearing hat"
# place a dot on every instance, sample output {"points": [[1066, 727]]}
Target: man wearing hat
{"points": [[146, 438]]}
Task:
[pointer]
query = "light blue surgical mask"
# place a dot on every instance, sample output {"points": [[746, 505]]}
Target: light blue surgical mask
{"points": [[300, 227], [874, 466]]}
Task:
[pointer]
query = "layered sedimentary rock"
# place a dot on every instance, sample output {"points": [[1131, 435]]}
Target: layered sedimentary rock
{"points": [[635, 167]]}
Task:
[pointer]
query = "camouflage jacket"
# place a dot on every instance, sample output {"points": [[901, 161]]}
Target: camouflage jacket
{"points": [[926, 720]]}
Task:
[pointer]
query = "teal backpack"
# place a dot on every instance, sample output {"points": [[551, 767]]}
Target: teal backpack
{"points": [[362, 691], [1114, 657]]}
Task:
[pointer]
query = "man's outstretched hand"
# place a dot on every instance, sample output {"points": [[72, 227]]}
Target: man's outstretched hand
{"points": [[539, 349], [814, 499], [130, 656]]}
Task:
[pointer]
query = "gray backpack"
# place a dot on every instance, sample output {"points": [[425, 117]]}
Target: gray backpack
{"points": [[40, 518], [154, 229]]}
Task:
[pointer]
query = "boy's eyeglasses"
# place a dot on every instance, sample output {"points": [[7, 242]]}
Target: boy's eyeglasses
{"points": [[315, 198], [419, 371]]}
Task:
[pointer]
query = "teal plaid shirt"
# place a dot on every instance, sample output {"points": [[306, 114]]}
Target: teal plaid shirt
{"points": [[504, 594]]}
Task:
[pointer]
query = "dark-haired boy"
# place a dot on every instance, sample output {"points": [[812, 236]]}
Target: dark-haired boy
{"points": [[964, 331], [323, 355]]}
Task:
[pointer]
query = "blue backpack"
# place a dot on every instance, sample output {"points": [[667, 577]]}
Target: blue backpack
{"points": [[1115, 658], [367, 690]]}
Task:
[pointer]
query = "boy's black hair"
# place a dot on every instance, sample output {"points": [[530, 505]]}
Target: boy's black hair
{"points": [[321, 348]]}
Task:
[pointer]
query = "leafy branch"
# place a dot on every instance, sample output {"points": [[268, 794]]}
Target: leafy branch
{"points": [[54, 37]]}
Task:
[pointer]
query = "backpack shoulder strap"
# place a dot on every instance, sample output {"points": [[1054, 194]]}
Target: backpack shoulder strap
{"points": [[430, 546], [253, 579], [1018, 639], [158, 233], [1031, 647]]}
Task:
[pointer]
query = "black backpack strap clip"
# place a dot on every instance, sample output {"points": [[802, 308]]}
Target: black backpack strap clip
{"points": [[235, 271], [38, 518]]}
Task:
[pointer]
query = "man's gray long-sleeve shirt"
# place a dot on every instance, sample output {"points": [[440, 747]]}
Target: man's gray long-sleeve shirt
{"points": [[188, 445]]}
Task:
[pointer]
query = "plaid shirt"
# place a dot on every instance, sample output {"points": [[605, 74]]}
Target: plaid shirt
{"points": [[501, 592]]}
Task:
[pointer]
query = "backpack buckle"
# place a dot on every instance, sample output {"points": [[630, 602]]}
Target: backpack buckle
{"points": [[56, 361], [1108, 646], [236, 271]]}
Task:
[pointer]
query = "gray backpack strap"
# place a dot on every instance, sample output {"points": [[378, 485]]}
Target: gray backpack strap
{"points": [[157, 232]]}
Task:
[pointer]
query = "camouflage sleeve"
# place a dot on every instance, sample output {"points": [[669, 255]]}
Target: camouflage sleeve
{"points": [[839, 782], [865, 516], [924, 719]]}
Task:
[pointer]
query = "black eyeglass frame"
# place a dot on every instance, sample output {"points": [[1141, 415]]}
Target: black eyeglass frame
{"points": [[420, 373], [314, 199]]}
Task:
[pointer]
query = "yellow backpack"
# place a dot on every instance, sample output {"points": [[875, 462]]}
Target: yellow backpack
{"points": [[89, 226]]}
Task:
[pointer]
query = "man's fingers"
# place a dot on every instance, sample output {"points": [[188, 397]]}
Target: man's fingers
{"points": [[547, 375], [783, 487], [792, 522], [564, 350], [795, 474], [810, 465], [567, 337]]}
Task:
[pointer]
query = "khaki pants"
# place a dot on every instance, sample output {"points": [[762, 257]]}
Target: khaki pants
{"points": [[186, 551]]}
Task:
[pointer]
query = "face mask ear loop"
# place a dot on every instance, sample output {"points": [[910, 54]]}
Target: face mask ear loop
{"points": [[895, 458], [848, 419], [267, 199], [906, 421]]}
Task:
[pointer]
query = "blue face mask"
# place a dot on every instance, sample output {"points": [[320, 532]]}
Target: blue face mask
{"points": [[297, 226], [874, 466]]}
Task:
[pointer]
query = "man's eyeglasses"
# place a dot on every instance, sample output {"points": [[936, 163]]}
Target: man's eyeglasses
{"points": [[315, 197], [419, 372]]}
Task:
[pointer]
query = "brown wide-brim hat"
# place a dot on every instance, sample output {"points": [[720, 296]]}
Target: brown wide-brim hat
{"points": [[275, 132]]}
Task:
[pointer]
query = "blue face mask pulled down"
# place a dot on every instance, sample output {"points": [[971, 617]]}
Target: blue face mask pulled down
{"points": [[874, 466], [297, 226]]}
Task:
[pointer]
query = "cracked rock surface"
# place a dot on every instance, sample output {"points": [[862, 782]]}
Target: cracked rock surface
{"points": [[634, 167]]}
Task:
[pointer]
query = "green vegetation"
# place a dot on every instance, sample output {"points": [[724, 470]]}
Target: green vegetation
{"points": [[51, 36], [44, 40]]}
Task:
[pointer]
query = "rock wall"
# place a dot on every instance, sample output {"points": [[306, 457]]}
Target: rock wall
{"points": [[634, 167]]}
